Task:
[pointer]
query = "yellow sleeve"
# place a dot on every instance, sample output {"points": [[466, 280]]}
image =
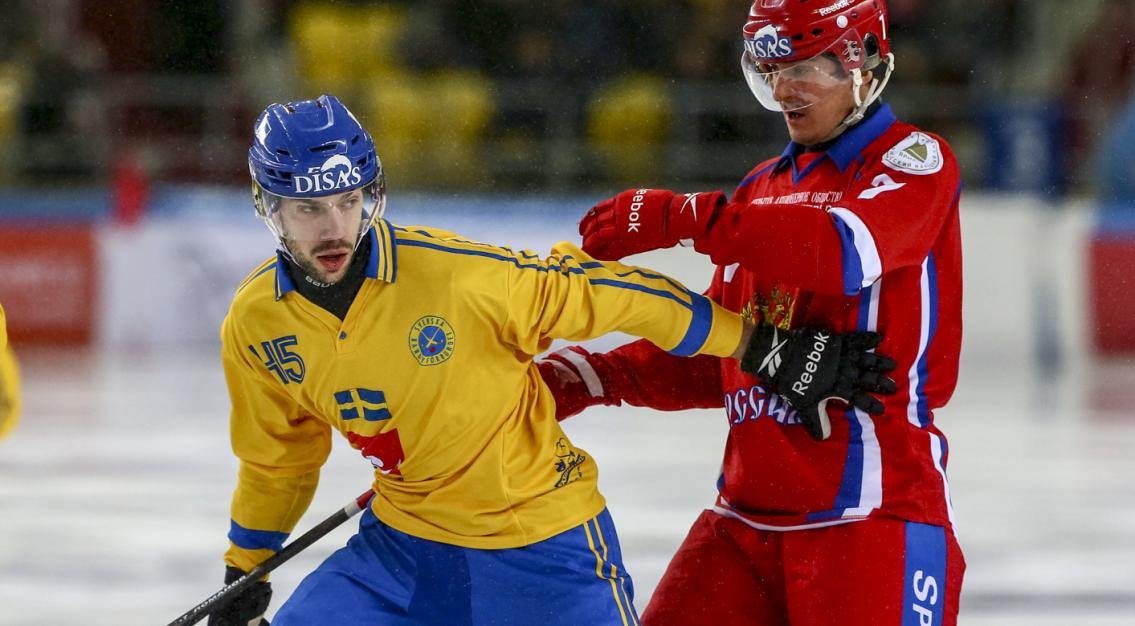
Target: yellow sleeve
{"points": [[9, 382], [280, 448], [570, 295], [9, 391]]}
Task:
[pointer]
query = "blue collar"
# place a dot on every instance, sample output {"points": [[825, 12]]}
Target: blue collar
{"points": [[847, 147], [382, 260]]}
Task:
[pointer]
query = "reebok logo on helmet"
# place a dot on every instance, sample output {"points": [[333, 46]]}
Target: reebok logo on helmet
{"points": [[842, 4], [335, 173]]}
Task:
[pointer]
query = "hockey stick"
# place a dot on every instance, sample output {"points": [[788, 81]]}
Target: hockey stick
{"points": [[198, 612]]}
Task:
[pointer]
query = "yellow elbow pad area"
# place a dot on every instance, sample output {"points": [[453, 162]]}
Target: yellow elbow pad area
{"points": [[9, 391]]}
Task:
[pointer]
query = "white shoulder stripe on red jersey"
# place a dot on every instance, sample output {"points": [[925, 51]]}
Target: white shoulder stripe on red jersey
{"points": [[864, 245], [913, 413], [936, 452]]}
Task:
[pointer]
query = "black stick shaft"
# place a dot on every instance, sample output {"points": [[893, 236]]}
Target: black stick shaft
{"points": [[194, 615]]}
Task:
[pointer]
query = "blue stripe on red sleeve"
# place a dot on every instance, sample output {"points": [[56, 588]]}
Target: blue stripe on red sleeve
{"points": [[923, 366], [849, 254]]}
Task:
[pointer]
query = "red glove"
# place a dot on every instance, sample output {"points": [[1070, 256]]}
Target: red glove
{"points": [[574, 382], [638, 220]]}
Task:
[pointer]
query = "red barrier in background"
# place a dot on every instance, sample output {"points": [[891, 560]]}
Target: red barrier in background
{"points": [[1111, 289], [48, 282]]}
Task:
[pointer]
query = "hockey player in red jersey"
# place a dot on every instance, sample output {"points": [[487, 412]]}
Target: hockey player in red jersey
{"points": [[844, 520]]}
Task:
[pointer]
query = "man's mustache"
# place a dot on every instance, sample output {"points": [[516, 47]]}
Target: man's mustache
{"points": [[331, 246]]}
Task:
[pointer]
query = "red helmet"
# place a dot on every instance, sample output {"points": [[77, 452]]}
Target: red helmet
{"points": [[781, 33], [793, 30]]}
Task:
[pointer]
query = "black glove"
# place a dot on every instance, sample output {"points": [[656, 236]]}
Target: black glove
{"points": [[809, 367], [246, 608]]}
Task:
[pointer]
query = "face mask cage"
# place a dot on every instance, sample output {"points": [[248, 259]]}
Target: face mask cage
{"points": [[781, 83], [345, 215]]}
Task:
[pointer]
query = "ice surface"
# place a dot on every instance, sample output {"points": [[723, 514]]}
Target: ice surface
{"points": [[114, 490]]}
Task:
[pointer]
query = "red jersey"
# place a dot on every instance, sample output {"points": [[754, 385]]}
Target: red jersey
{"points": [[862, 236]]}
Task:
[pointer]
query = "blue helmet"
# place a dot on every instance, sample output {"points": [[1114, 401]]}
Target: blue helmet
{"points": [[311, 149]]}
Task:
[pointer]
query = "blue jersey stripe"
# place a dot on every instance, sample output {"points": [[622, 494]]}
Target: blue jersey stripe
{"points": [[923, 368], [488, 255], [851, 486], [849, 255], [924, 595], [755, 175], [255, 276], [372, 254], [654, 292], [864, 318], [545, 268], [284, 282], [698, 331], [248, 539], [798, 176], [392, 270], [645, 274]]}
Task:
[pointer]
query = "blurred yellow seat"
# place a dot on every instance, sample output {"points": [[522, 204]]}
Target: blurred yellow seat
{"points": [[462, 110], [13, 78], [628, 121], [338, 47], [396, 116], [431, 128]]}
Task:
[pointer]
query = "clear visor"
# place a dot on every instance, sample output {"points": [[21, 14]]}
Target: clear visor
{"points": [[794, 85], [335, 221]]}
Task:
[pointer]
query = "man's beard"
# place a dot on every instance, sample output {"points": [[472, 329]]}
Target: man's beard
{"points": [[315, 274]]}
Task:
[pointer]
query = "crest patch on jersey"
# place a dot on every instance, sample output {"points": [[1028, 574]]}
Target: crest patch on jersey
{"points": [[918, 154], [568, 463], [431, 340]]}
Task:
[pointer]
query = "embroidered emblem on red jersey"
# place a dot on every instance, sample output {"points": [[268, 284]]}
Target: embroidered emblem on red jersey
{"points": [[776, 308], [918, 154]]}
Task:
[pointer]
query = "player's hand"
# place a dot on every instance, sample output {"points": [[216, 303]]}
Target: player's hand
{"points": [[811, 367], [245, 608], [575, 384], [638, 220]]}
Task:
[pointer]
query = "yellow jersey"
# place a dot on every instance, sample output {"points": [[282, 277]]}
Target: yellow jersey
{"points": [[431, 376], [9, 382]]}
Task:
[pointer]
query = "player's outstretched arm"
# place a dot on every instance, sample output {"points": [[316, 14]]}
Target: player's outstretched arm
{"points": [[569, 295], [638, 373], [888, 220], [812, 367]]}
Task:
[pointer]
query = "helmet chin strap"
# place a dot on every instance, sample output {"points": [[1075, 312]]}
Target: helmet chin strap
{"points": [[861, 103]]}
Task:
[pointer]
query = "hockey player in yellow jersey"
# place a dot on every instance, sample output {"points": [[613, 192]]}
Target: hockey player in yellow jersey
{"points": [[418, 347], [9, 382]]}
